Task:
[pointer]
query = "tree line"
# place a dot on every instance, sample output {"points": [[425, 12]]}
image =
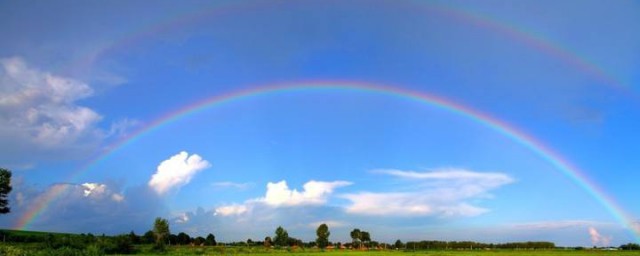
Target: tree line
{"points": [[470, 245]]}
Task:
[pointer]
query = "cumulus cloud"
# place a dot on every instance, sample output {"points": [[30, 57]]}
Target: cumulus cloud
{"points": [[235, 209], [42, 105], [97, 190], [444, 193], [176, 172], [314, 192], [597, 239], [279, 194], [40, 113]]}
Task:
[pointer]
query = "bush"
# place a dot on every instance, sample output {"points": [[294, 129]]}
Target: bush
{"points": [[121, 244]]}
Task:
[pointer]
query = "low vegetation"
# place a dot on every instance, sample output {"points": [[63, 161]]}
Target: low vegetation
{"points": [[160, 241]]}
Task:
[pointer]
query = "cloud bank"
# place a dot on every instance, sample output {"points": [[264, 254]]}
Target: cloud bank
{"points": [[176, 172], [84, 207]]}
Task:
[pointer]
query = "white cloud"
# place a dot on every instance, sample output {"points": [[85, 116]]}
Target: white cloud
{"points": [[597, 239], [42, 105], [90, 191], [117, 197], [450, 174], [183, 218], [315, 192], [228, 210], [176, 171], [408, 204], [444, 193], [122, 127], [90, 188], [40, 113], [231, 185], [279, 194]]}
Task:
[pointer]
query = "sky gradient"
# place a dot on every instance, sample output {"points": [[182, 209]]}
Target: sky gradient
{"points": [[490, 121]]}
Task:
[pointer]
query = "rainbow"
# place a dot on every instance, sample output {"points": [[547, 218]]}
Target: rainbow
{"points": [[452, 12], [497, 125], [535, 41]]}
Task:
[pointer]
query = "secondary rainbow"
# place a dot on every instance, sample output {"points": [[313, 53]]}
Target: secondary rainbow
{"points": [[511, 31], [502, 127]]}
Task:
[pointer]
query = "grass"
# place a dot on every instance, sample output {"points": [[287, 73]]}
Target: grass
{"points": [[242, 251]]}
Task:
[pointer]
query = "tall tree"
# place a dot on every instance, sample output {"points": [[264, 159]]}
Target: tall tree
{"points": [[322, 235], [183, 238], [211, 240], [5, 189], [161, 232], [355, 236], [282, 237], [365, 238], [399, 244]]}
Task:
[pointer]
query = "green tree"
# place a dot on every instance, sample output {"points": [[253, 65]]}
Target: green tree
{"points": [[199, 240], [630, 246], [134, 238], [183, 238], [399, 244], [356, 235], [365, 238], [282, 237], [148, 237], [267, 242], [322, 233], [5, 189], [210, 240], [161, 232]]}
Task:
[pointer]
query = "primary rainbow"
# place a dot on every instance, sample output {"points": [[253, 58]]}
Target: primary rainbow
{"points": [[502, 127]]}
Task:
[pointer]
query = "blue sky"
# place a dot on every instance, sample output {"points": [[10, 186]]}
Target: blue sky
{"points": [[78, 78]]}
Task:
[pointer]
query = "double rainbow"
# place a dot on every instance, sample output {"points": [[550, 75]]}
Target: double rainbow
{"points": [[497, 125]]}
